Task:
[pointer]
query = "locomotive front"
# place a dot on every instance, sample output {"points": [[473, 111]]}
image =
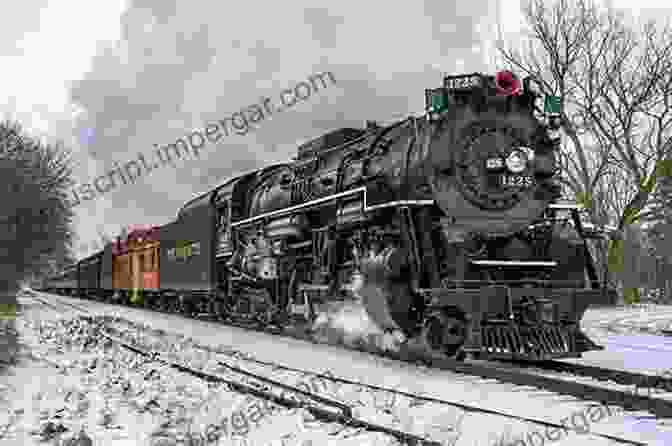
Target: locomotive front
{"points": [[493, 159], [504, 277]]}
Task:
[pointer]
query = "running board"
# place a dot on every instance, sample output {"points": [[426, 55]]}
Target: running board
{"points": [[566, 206], [513, 263]]}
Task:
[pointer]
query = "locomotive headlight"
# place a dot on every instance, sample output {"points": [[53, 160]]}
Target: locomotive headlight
{"points": [[516, 161]]}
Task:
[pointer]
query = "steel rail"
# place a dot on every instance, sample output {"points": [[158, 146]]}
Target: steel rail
{"points": [[466, 407], [623, 377], [344, 417], [489, 370], [585, 392], [345, 409]]}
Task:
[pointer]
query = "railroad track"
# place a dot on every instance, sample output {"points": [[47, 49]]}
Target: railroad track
{"points": [[480, 368], [643, 381], [322, 408], [345, 415], [495, 370], [523, 374]]}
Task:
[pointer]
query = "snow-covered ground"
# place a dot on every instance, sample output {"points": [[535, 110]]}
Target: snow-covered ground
{"points": [[68, 380], [632, 336], [634, 339], [71, 386], [631, 319], [474, 428]]}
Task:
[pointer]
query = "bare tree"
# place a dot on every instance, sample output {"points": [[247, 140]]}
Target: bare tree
{"points": [[35, 218], [615, 86], [35, 234]]}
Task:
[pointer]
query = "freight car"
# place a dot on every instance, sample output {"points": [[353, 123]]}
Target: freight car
{"points": [[445, 227]]}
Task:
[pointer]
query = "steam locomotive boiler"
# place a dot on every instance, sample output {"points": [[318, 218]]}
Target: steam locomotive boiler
{"points": [[445, 227]]}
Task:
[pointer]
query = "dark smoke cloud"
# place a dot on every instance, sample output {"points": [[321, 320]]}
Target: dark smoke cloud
{"points": [[183, 63]]}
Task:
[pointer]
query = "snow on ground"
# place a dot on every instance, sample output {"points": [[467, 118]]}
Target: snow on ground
{"points": [[438, 422], [71, 385], [398, 412], [631, 336], [630, 319], [476, 429]]}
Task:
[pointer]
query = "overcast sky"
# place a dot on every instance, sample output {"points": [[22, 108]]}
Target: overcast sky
{"points": [[112, 78]]}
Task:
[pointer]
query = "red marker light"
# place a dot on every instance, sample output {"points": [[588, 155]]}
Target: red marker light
{"points": [[507, 83]]}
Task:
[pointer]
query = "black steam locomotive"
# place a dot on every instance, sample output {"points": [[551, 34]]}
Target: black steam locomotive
{"points": [[445, 227]]}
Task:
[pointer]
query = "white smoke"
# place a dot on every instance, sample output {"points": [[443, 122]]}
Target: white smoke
{"points": [[348, 323], [180, 64]]}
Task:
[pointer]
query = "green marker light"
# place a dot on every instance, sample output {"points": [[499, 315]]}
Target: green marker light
{"points": [[552, 104], [439, 103]]}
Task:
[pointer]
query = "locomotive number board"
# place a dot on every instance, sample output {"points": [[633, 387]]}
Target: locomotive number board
{"points": [[516, 180], [462, 82]]}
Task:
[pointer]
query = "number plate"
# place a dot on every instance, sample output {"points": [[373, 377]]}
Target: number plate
{"points": [[516, 180], [462, 83]]}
